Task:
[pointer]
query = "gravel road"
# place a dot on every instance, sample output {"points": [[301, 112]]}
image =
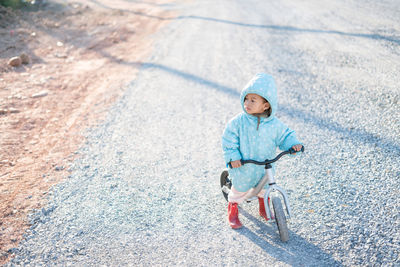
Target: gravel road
{"points": [[145, 189]]}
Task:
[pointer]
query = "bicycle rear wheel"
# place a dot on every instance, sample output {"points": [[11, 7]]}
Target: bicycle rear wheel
{"points": [[225, 184], [280, 219]]}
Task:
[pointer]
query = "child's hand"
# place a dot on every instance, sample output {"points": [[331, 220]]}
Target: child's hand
{"points": [[236, 164], [297, 148]]}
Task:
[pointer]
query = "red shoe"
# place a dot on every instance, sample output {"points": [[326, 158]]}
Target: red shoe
{"points": [[233, 216], [263, 213]]}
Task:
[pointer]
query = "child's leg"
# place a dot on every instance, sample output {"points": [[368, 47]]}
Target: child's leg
{"points": [[261, 194], [262, 211], [235, 197]]}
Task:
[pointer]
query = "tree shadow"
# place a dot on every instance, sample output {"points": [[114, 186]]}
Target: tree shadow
{"points": [[296, 29], [347, 133], [292, 252], [260, 26], [306, 117], [351, 134], [191, 77], [134, 12], [15, 34]]}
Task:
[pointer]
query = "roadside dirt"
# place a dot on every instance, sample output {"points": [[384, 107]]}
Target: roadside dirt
{"points": [[82, 55]]}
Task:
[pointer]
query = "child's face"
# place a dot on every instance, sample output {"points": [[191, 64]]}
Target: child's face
{"points": [[255, 104]]}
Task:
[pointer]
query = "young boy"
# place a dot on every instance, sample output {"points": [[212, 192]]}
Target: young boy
{"points": [[254, 134]]}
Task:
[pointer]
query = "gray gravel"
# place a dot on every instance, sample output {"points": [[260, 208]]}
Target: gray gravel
{"points": [[145, 188]]}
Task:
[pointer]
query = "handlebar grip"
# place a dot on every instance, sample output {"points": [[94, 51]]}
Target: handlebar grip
{"points": [[292, 151], [241, 161]]}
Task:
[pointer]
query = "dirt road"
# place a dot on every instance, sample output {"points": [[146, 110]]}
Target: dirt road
{"points": [[144, 187]]}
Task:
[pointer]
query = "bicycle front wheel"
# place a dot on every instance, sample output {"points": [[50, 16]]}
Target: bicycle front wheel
{"points": [[280, 219]]}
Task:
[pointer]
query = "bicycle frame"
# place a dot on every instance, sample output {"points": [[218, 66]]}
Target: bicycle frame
{"points": [[270, 179]]}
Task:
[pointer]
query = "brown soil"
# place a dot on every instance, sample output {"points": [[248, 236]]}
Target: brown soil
{"points": [[82, 55]]}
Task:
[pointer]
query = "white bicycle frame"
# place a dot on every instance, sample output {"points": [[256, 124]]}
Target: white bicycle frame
{"points": [[270, 179], [267, 179]]}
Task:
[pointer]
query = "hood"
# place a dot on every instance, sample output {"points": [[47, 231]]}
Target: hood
{"points": [[264, 85]]}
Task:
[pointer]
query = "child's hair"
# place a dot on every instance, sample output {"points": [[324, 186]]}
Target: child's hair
{"points": [[268, 111]]}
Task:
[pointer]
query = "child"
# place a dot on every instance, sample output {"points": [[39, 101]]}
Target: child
{"points": [[254, 134]]}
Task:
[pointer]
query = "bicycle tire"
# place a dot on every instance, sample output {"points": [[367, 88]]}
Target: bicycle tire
{"points": [[280, 219], [225, 184]]}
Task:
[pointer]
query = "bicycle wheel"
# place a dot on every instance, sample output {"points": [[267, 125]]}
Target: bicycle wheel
{"points": [[225, 184], [280, 219]]}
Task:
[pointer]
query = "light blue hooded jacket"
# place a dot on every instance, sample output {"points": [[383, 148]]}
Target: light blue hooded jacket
{"points": [[255, 137]]}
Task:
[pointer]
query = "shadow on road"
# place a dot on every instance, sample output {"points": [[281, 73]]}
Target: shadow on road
{"points": [[292, 252], [296, 29], [347, 133], [269, 27], [98, 3], [129, 1], [361, 135], [191, 77], [306, 117]]}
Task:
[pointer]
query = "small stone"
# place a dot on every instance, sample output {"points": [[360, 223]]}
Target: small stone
{"points": [[15, 62], [40, 94], [3, 111], [14, 110], [59, 44], [3, 254], [12, 250], [59, 168], [17, 96], [58, 55], [25, 59]]}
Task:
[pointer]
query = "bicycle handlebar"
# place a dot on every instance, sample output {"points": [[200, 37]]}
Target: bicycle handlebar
{"points": [[267, 161]]}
